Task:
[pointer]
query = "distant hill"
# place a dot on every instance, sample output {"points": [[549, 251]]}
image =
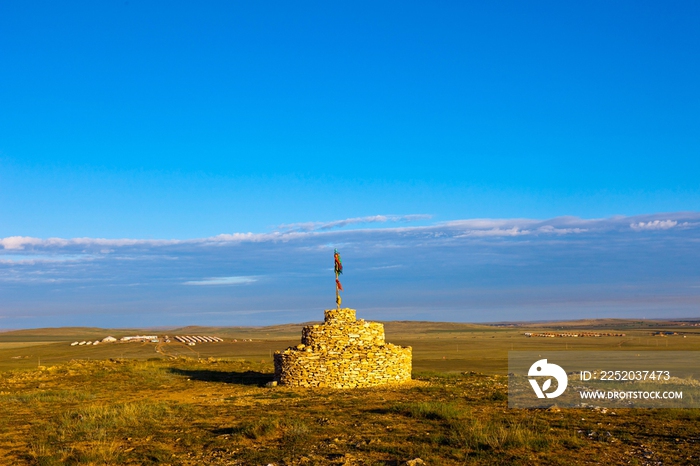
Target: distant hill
{"points": [[602, 323], [293, 330], [410, 326], [63, 334]]}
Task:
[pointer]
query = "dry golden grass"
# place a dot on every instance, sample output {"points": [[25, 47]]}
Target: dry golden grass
{"points": [[190, 412], [160, 407]]}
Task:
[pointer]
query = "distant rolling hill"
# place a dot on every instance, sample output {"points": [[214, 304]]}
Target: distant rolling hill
{"points": [[286, 331]]}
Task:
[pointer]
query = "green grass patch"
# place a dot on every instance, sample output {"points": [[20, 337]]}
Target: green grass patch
{"points": [[258, 428], [427, 410], [47, 396]]}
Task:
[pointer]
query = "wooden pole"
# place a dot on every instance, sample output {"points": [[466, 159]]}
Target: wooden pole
{"points": [[336, 268], [337, 292]]}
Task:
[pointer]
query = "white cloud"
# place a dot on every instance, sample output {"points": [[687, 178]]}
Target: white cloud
{"points": [[237, 237], [479, 264], [490, 223], [560, 231], [468, 228], [514, 231], [19, 242], [654, 225], [27, 259], [22, 242], [241, 280], [320, 226]]}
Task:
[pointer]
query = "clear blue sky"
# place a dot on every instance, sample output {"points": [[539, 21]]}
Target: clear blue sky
{"points": [[177, 120]]}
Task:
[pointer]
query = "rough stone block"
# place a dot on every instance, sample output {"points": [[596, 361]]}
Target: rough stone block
{"points": [[343, 353]]}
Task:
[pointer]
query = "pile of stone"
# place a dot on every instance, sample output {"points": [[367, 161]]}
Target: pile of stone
{"points": [[343, 353]]}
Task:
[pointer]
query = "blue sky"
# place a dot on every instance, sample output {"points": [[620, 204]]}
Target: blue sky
{"points": [[165, 124]]}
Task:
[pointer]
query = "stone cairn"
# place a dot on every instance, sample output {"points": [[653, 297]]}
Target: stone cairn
{"points": [[343, 353]]}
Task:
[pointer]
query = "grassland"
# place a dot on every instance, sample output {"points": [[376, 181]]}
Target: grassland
{"points": [[136, 403]]}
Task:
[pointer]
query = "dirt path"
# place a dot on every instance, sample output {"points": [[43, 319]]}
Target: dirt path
{"points": [[162, 347]]}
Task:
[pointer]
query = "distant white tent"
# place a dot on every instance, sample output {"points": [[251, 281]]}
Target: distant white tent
{"points": [[192, 339], [140, 338]]}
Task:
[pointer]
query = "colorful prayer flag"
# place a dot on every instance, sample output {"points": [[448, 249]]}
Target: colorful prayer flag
{"points": [[338, 263], [338, 267]]}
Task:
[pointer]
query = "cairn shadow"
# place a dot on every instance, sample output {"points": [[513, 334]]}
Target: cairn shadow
{"points": [[237, 378], [380, 411]]}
